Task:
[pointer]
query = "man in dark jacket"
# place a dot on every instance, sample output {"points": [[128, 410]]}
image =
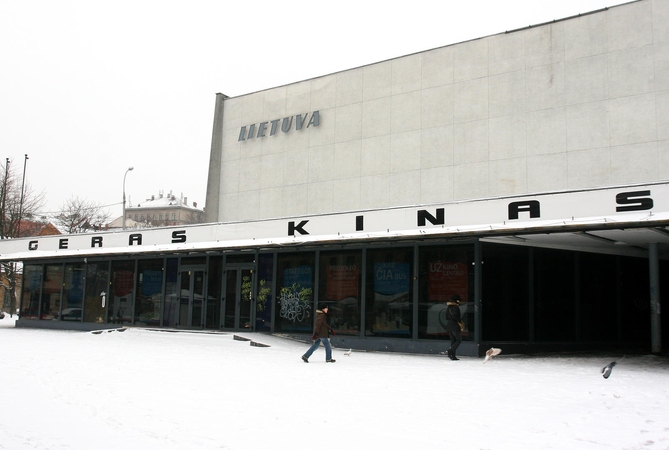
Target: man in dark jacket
{"points": [[452, 326], [321, 333]]}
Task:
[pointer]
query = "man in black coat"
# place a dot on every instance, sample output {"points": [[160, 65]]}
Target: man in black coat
{"points": [[452, 326]]}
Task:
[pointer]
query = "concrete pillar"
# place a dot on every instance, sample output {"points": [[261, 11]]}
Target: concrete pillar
{"points": [[655, 324]]}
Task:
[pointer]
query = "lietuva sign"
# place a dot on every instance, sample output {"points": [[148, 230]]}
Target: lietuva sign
{"points": [[301, 121], [563, 210]]}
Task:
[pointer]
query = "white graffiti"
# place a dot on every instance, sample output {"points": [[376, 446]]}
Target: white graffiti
{"points": [[292, 307]]}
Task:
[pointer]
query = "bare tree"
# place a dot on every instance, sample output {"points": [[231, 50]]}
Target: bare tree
{"points": [[18, 208], [193, 217], [80, 216]]}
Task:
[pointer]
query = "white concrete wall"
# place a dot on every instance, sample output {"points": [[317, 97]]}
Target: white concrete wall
{"points": [[574, 104]]}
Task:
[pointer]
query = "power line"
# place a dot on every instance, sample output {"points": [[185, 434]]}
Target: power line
{"points": [[55, 213]]}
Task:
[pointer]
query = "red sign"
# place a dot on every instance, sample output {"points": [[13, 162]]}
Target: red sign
{"points": [[445, 279], [342, 281], [123, 280]]}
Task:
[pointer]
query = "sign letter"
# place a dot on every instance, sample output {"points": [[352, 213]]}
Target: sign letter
{"points": [[96, 241], [423, 215], [135, 238], [635, 204], [531, 206], [315, 119], [178, 236], [299, 121], [292, 228]]}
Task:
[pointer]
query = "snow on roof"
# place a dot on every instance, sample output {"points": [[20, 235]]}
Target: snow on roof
{"points": [[167, 201]]}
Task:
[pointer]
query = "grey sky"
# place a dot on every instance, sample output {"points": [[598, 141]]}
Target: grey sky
{"points": [[89, 88]]}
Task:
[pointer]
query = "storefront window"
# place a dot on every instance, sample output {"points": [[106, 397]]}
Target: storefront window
{"points": [[555, 295], [598, 305], [505, 298], [443, 272], [264, 292], [149, 292], [171, 310], [51, 292], [389, 299], [213, 318], [73, 292], [32, 282], [97, 281], [120, 301], [339, 288], [295, 275]]}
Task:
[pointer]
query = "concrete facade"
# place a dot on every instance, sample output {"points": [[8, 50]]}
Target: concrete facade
{"points": [[573, 104]]}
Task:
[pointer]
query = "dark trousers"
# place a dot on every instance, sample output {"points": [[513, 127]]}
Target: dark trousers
{"points": [[456, 340]]}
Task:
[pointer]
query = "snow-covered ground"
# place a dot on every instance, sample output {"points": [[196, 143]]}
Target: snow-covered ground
{"points": [[142, 389]]}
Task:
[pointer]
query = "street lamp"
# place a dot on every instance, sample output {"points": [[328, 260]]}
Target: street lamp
{"points": [[23, 182], [126, 173]]}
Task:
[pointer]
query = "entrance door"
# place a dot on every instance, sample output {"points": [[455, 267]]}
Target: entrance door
{"points": [[191, 298], [238, 302]]}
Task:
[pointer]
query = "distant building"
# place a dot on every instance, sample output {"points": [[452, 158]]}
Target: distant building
{"points": [[28, 228], [163, 211]]}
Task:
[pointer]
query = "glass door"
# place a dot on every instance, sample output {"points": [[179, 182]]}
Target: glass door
{"points": [[191, 298], [238, 301]]}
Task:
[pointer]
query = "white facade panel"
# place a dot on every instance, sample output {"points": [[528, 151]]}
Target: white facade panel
{"points": [[548, 108]]}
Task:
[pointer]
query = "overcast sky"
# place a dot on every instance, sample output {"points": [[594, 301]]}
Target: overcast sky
{"points": [[90, 88]]}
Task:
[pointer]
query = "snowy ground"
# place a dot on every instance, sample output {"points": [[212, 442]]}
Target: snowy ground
{"points": [[143, 389]]}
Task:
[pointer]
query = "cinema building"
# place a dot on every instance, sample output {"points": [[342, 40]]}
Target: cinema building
{"points": [[526, 171]]}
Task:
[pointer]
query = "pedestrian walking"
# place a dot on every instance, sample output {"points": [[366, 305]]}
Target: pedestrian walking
{"points": [[321, 332], [453, 319]]}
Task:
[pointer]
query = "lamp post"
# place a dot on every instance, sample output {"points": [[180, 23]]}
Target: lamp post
{"points": [[126, 173], [4, 196], [23, 182]]}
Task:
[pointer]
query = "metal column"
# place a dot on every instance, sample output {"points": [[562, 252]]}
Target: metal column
{"points": [[655, 325]]}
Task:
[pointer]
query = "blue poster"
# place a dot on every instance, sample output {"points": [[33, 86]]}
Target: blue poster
{"points": [[391, 278], [300, 275], [152, 282]]}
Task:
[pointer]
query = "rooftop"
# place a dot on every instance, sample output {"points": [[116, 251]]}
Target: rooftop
{"points": [[165, 201]]}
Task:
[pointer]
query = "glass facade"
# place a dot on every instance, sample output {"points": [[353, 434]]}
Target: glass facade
{"points": [[389, 293], [119, 308], [526, 294], [213, 314], [546, 295], [170, 310], [445, 271], [598, 300], [264, 292], [295, 286], [149, 289], [73, 292], [30, 292], [95, 299], [554, 295], [340, 288], [52, 287], [505, 300]]}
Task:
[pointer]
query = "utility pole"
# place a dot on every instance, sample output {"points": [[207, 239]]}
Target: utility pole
{"points": [[4, 197], [23, 182]]}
